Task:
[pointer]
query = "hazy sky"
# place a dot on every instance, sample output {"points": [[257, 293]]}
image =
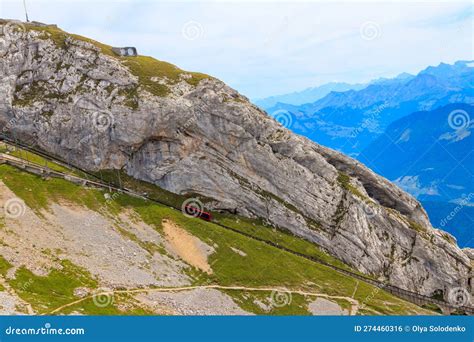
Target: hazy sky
{"points": [[265, 48]]}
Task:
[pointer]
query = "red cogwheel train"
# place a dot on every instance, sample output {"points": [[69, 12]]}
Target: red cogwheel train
{"points": [[196, 212]]}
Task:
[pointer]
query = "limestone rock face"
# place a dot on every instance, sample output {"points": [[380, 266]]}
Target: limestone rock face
{"points": [[189, 133]]}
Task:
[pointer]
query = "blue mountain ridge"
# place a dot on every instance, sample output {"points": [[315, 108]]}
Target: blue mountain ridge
{"points": [[307, 95], [349, 121], [431, 155], [400, 128]]}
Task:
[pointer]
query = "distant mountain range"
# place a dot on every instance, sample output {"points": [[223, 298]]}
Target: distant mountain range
{"points": [[430, 154], [349, 121], [424, 154], [313, 94], [402, 129], [308, 95]]}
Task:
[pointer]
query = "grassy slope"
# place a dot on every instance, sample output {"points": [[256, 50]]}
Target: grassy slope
{"points": [[253, 227], [263, 266], [45, 293], [144, 67]]}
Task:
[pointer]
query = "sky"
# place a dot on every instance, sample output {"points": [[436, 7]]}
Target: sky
{"points": [[265, 48]]}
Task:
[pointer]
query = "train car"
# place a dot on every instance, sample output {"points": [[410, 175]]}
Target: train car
{"points": [[193, 211]]}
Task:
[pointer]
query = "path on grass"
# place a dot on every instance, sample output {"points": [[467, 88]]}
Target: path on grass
{"points": [[352, 311]]}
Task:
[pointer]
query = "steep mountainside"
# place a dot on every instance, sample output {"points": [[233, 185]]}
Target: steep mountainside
{"points": [[429, 154], [349, 121], [191, 134], [66, 248]]}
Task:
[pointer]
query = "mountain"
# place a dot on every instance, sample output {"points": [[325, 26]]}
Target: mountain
{"points": [[349, 121], [404, 76], [308, 95], [313, 94], [190, 134], [68, 248], [429, 154]]}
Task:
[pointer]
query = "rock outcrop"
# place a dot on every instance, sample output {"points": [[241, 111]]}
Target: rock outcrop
{"points": [[190, 133]]}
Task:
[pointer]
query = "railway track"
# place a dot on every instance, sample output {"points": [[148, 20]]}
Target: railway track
{"points": [[413, 297]]}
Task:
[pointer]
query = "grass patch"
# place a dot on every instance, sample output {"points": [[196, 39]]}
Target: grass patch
{"points": [[419, 228], [46, 293], [36, 159], [33, 92], [4, 266], [38, 193], [52, 32], [146, 68], [433, 307], [248, 301], [131, 97], [59, 37], [345, 182], [280, 237]]}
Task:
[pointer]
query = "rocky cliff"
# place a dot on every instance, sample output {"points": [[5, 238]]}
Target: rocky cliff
{"points": [[190, 133]]}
